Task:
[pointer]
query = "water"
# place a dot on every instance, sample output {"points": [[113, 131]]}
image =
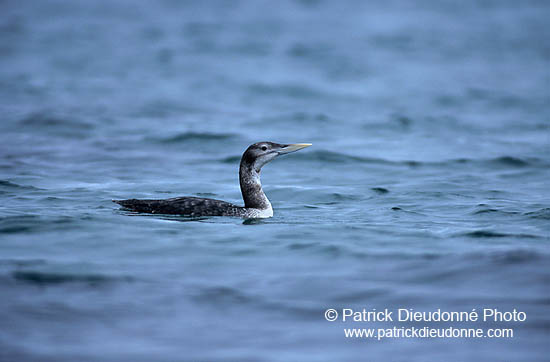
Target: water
{"points": [[426, 186]]}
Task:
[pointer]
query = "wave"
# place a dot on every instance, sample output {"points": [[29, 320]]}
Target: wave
{"points": [[10, 185], [44, 278], [22, 262], [287, 90], [222, 295], [543, 214], [229, 296], [503, 161], [18, 223], [511, 161], [14, 229], [494, 234], [324, 156], [195, 136], [514, 256], [45, 120], [29, 222], [337, 157], [494, 212]]}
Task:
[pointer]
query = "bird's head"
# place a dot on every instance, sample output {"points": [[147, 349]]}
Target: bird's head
{"points": [[258, 154]]}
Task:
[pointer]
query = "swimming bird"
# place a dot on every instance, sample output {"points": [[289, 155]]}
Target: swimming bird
{"points": [[256, 204]]}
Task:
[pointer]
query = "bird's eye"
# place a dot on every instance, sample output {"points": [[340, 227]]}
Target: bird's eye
{"points": [[264, 148]]}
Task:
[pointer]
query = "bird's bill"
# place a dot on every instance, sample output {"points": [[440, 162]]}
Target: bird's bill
{"points": [[293, 147]]}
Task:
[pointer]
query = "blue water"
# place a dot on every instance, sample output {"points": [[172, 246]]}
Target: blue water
{"points": [[426, 186]]}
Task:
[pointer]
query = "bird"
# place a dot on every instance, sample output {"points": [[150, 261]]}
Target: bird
{"points": [[256, 203]]}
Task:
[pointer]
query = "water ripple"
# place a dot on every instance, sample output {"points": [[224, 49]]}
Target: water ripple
{"points": [[543, 214], [4, 184], [195, 137], [46, 278], [341, 158], [494, 234], [222, 295], [45, 120]]}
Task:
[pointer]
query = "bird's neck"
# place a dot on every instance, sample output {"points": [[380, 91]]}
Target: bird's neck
{"points": [[251, 188]]}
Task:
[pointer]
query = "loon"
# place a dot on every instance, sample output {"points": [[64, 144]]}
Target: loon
{"points": [[256, 204]]}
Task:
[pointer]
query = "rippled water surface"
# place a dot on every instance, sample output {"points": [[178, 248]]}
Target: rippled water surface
{"points": [[426, 186]]}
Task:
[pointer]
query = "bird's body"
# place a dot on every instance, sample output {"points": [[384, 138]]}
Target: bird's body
{"points": [[187, 205], [256, 204]]}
